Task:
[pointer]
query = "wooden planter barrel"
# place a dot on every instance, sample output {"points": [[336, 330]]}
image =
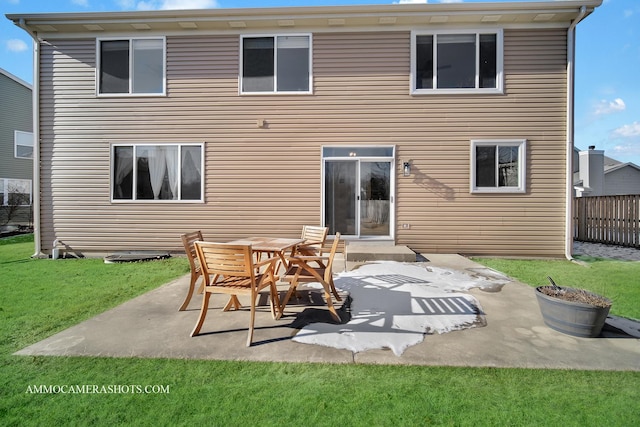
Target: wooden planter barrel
{"points": [[572, 318]]}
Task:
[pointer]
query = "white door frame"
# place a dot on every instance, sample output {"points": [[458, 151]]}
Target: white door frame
{"points": [[369, 153]]}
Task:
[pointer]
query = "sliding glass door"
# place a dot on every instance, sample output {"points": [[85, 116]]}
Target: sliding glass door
{"points": [[358, 199]]}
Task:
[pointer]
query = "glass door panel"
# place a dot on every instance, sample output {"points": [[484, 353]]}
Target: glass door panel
{"points": [[340, 196], [375, 198]]}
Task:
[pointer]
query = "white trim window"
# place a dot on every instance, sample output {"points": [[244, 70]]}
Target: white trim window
{"points": [[131, 66], [498, 166], [15, 192], [450, 62], [23, 145], [275, 64], [157, 172]]}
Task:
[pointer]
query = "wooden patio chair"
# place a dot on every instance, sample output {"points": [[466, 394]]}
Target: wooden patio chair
{"points": [[313, 268], [230, 269], [188, 240], [314, 239]]}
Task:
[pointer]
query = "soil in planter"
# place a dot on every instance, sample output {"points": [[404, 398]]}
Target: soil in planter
{"points": [[575, 295]]}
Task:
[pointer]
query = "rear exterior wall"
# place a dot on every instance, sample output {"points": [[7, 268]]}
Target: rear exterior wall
{"points": [[267, 181]]}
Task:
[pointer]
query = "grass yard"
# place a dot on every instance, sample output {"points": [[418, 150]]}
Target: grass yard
{"points": [[617, 280], [41, 297]]}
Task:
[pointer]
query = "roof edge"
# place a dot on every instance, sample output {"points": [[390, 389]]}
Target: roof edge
{"points": [[16, 79], [620, 166], [231, 13]]}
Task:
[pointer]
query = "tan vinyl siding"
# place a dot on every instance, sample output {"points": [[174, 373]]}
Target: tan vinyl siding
{"points": [[268, 180]]}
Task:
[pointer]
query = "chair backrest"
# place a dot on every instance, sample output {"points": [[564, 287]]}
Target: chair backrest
{"points": [[225, 259], [334, 248], [188, 240], [315, 234]]}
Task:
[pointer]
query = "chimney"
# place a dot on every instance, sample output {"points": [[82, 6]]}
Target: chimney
{"points": [[592, 171]]}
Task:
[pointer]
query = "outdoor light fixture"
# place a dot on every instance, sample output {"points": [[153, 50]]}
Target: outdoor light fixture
{"points": [[406, 168]]}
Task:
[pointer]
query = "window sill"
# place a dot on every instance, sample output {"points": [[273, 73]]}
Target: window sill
{"points": [[420, 92], [131, 95], [510, 190], [154, 202], [275, 93]]}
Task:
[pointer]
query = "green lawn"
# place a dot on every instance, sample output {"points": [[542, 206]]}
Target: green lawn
{"points": [[617, 280], [41, 297]]}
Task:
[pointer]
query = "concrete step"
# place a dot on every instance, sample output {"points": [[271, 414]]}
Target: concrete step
{"points": [[362, 252]]}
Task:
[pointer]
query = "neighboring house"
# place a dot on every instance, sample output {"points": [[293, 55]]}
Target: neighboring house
{"points": [[443, 127], [598, 175], [16, 149]]}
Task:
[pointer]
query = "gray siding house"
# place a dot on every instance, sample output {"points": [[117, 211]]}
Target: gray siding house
{"points": [[444, 127], [598, 175], [16, 149]]}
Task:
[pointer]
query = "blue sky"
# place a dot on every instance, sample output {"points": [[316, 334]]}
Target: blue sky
{"points": [[607, 103]]}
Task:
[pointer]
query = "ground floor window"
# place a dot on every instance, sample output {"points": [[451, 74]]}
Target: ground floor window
{"points": [[498, 166], [15, 192], [157, 172]]}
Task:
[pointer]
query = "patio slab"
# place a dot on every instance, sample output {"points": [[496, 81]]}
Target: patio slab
{"points": [[514, 335]]}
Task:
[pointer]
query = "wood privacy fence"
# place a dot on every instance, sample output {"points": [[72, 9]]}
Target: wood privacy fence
{"points": [[613, 220]]}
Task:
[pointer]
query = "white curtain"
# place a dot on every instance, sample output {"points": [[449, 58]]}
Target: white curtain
{"points": [[191, 166], [124, 166], [171, 155], [157, 168]]}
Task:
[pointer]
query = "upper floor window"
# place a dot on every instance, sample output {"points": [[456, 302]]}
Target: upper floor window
{"points": [[23, 144], [157, 172], [457, 62], [131, 66], [498, 166], [276, 64]]}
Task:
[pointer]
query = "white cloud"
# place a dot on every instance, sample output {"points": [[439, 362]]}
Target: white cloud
{"points": [[411, 1], [83, 3], [167, 4], [608, 107], [627, 152], [126, 4], [16, 45], [628, 131]]}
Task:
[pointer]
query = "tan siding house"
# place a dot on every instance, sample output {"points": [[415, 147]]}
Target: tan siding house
{"points": [[263, 152]]}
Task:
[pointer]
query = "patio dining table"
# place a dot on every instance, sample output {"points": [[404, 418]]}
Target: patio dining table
{"points": [[273, 246], [270, 245]]}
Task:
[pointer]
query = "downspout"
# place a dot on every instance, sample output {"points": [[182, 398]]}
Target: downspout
{"points": [[37, 239], [571, 47]]}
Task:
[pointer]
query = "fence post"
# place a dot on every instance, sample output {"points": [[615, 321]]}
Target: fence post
{"points": [[582, 218]]}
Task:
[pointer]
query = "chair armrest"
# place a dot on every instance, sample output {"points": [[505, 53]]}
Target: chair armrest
{"points": [[266, 261], [310, 243]]}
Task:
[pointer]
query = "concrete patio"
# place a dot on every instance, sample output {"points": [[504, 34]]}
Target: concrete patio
{"points": [[514, 335]]}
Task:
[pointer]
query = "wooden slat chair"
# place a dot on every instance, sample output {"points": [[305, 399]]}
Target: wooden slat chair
{"points": [[313, 268], [314, 239], [188, 240], [230, 269]]}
